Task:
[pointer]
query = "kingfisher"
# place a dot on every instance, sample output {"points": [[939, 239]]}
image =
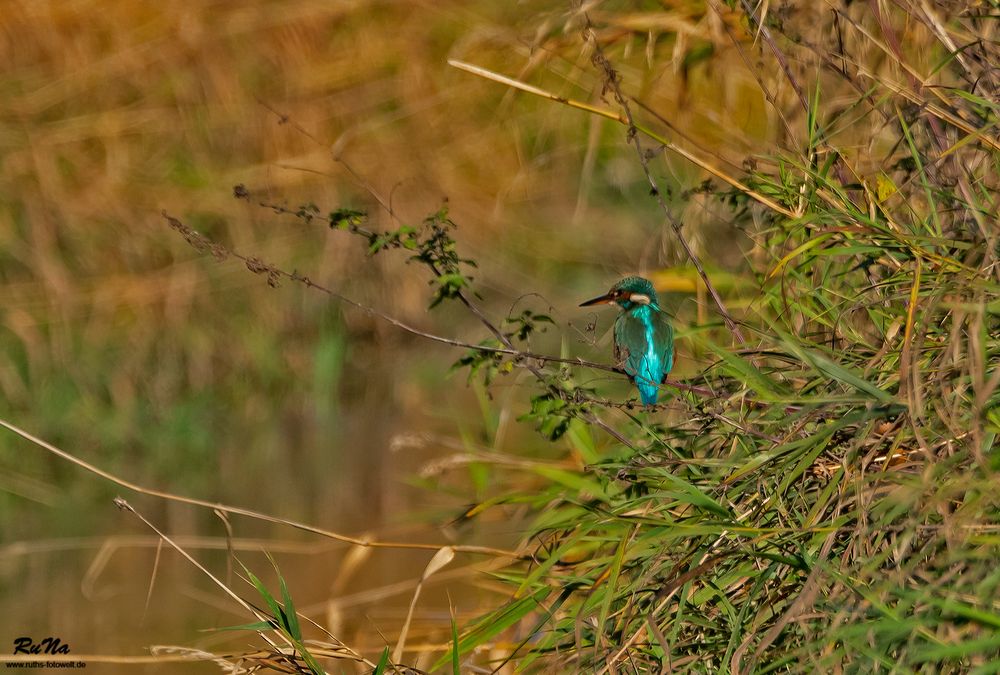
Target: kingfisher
{"points": [[644, 338]]}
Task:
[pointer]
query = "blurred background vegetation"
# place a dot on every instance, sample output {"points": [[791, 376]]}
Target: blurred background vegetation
{"points": [[127, 348]]}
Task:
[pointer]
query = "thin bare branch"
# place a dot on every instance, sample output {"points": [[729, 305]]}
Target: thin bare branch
{"points": [[611, 82]]}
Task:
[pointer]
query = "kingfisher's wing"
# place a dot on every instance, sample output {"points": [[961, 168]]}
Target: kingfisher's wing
{"points": [[644, 346], [630, 343], [665, 341]]}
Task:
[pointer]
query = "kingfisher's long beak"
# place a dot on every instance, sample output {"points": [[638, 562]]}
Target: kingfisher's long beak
{"points": [[606, 299]]}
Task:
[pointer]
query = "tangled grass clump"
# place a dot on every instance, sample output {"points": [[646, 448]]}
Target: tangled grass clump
{"points": [[838, 510]]}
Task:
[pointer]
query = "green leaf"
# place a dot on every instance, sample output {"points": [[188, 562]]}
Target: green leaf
{"points": [[799, 250], [579, 435], [566, 545], [836, 371], [573, 480], [753, 378], [985, 647], [343, 219], [272, 604], [291, 617], [495, 623], [688, 493]]}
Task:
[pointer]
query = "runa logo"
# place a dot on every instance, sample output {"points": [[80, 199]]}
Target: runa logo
{"points": [[50, 645]]}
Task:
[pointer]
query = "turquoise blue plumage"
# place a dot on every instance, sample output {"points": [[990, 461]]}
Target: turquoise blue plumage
{"points": [[644, 338]]}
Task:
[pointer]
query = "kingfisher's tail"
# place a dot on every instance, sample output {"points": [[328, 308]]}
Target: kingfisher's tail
{"points": [[648, 391]]}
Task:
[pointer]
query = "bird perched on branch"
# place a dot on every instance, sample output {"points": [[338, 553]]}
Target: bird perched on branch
{"points": [[644, 339]]}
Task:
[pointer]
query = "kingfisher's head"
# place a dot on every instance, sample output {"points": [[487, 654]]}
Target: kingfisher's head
{"points": [[627, 293]]}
